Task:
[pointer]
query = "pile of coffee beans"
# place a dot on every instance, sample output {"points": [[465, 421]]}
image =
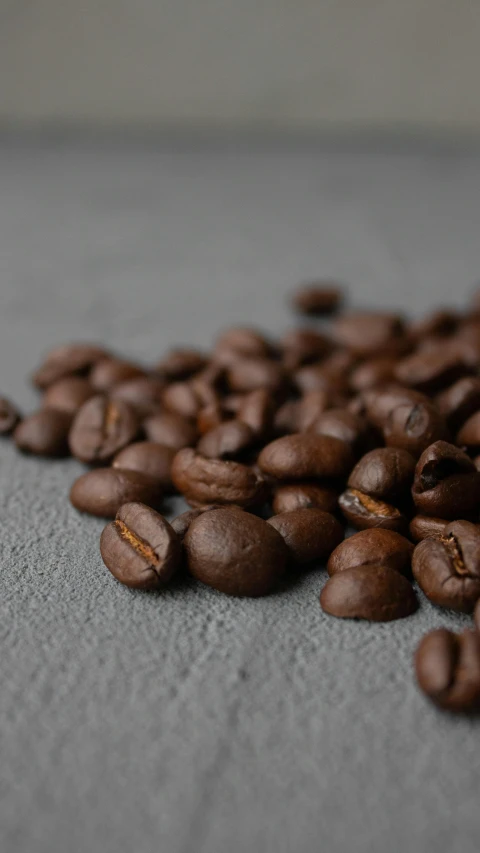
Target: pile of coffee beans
{"points": [[363, 419]]}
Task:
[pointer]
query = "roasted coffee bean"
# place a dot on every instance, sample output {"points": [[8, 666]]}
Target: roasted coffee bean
{"points": [[68, 395], [226, 441], [469, 434], [414, 426], [375, 371], [249, 374], [311, 407], [238, 342], [235, 552], [317, 377], [302, 346], [426, 527], [140, 547], [459, 401], [362, 512], [9, 416], [181, 363], [103, 491], [143, 393], [101, 428], [211, 416], [447, 569], [439, 324], [372, 548], [257, 410], [112, 371], [309, 534], [431, 371], [231, 403], [447, 666], [170, 429], [207, 481], [182, 522], [317, 298], [286, 418], [379, 403], [45, 433], [182, 399], [366, 333], [65, 361], [304, 495], [149, 458], [446, 484], [385, 473], [306, 456], [340, 423], [373, 592]]}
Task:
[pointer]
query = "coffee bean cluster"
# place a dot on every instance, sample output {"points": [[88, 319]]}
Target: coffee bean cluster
{"points": [[363, 419]]}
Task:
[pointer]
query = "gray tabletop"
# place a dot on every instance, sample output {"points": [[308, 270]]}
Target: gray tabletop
{"points": [[190, 721]]}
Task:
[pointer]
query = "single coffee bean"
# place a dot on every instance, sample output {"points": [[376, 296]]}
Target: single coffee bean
{"points": [[374, 372], [309, 534], [257, 410], [9, 416], [149, 458], [458, 402], [302, 346], [235, 552], [249, 374], [306, 456], [226, 441], [446, 484], [45, 433], [140, 547], [101, 428], [143, 393], [304, 495], [431, 371], [426, 527], [68, 394], [109, 372], [447, 667], [102, 491], [65, 361], [182, 522], [317, 298], [414, 426], [373, 592], [239, 341], [438, 324], [207, 481], [469, 434], [170, 429], [362, 512], [447, 569], [385, 473], [351, 428], [371, 548], [367, 333], [181, 363]]}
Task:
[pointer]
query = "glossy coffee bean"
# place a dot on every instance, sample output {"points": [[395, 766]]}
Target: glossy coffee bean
{"points": [[303, 346], [447, 667], [207, 481], [414, 427], [235, 552], [182, 522], [469, 434], [45, 433], [101, 428], [65, 361], [374, 592], [362, 512], [170, 429], [140, 547], [149, 458], [385, 473], [459, 401], [112, 371], [431, 371], [371, 548], [257, 410], [68, 394], [366, 333], [103, 491], [144, 393], [309, 534], [293, 496], [343, 424], [375, 371], [317, 298], [9, 416], [181, 363], [306, 456], [446, 484], [447, 568], [226, 441], [426, 527]]}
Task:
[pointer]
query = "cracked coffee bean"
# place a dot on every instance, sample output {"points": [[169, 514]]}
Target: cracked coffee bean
{"points": [[10, 417], [446, 484], [362, 512], [45, 433], [385, 474], [206, 481], [372, 547], [101, 428], [309, 534], [102, 491], [447, 667], [447, 569], [374, 592]]}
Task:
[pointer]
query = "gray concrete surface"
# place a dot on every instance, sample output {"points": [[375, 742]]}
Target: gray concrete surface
{"points": [[189, 722]]}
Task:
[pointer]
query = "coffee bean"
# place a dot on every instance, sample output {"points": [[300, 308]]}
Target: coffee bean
{"points": [[143, 393], [304, 495], [431, 371], [459, 401], [235, 552], [302, 346], [362, 512], [68, 394], [447, 569], [211, 416], [140, 547], [317, 298], [101, 428], [447, 667], [371, 548], [65, 361], [469, 434], [317, 377], [182, 399], [207, 481], [170, 429], [438, 324], [45, 433], [373, 592], [446, 484], [385, 473], [366, 333], [374, 372], [257, 410], [311, 407], [341, 423], [149, 458], [182, 522], [181, 363], [239, 341], [309, 534], [306, 456], [226, 441], [414, 427], [249, 374], [426, 527], [286, 418], [9, 416], [379, 403], [109, 372], [102, 491]]}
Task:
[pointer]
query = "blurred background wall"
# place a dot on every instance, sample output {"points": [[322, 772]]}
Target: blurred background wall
{"points": [[320, 63]]}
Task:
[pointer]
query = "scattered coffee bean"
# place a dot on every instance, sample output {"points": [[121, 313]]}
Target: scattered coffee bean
{"points": [[446, 484], [371, 548], [362, 512], [373, 592], [103, 491], [426, 527], [385, 473], [293, 496], [447, 568], [65, 361], [306, 456], [68, 394], [317, 298], [459, 401], [10, 417], [101, 428], [309, 534], [414, 426], [447, 666], [226, 441], [170, 429], [149, 458], [207, 481], [45, 433]]}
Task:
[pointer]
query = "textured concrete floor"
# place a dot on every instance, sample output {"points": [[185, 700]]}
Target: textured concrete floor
{"points": [[190, 722]]}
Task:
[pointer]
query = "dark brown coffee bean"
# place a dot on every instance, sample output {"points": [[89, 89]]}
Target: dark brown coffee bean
{"points": [[446, 484], [207, 481], [362, 512], [302, 346], [181, 363], [182, 522], [317, 298], [426, 527], [68, 394], [447, 569], [101, 428], [459, 401], [170, 429], [257, 410], [149, 458], [367, 333], [286, 418], [45, 433], [239, 341], [211, 416], [311, 407], [379, 403], [226, 441], [65, 361], [340, 423], [431, 371], [447, 667], [9, 416], [373, 592], [469, 434], [140, 547], [182, 399], [143, 393], [235, 552], [306, 456], [316, 377], [309, 534], [372, 547], [104, 490], [249, 374], [309, 495], [414, 426], [112, 371], [385, 473], [375, 371], [439, 324]]}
